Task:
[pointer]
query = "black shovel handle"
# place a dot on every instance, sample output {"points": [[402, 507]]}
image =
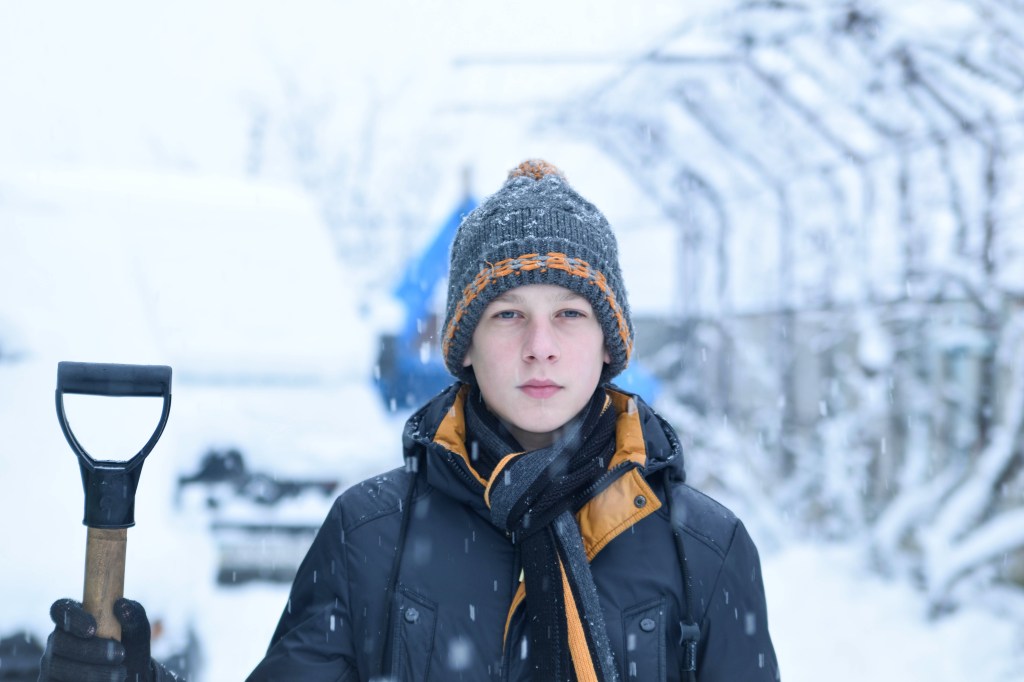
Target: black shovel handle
{"points": [[92, 378], [110, 486]]}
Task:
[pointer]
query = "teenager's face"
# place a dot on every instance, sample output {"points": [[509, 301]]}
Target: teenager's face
{"points": [[537, 354]]}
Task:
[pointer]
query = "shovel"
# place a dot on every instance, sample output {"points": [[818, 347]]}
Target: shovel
{"points": [[109, 486]]}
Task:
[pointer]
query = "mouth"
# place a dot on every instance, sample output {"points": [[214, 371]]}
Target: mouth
{"points": [[540, 388]]}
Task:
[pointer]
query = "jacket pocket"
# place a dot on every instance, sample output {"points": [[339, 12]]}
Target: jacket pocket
{"points": [[643, 628], [413, 636]]}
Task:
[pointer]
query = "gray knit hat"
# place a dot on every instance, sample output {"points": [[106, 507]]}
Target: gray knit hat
{"points": [[535, 230]]}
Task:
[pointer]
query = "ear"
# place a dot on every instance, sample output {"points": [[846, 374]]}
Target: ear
{"points": [[607, 357], [468, 360]]}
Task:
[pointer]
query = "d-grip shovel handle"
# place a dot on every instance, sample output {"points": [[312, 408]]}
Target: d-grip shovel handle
{"points": [[109, 486], [94, 378], [91, 378]]}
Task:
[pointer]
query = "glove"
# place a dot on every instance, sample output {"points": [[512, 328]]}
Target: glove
{"points": [[75, 654]]}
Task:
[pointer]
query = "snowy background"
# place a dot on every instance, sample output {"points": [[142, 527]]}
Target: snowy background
{"points": [[821, 228]]}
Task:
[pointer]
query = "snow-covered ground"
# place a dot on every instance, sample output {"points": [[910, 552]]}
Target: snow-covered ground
{"points": [[832, 619]]}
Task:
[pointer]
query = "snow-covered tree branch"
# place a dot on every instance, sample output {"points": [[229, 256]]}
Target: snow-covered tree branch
{"points": [[861, 297]]}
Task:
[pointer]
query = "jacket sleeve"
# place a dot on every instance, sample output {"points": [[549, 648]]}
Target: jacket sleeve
{"points": [[735, 642], [313, 639]]}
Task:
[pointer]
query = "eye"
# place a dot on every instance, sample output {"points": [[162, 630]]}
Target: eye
{"points": [[573, 313], [506, 314]]}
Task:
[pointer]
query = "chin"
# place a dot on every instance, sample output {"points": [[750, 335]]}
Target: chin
{"points": [[542, 423]]}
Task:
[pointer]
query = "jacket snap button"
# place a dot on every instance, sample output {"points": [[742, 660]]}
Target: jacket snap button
{"points": [[640, 501], [411, 615], [647, 624]]}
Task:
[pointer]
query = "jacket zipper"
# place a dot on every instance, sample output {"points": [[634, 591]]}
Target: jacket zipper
{"points": [[463, 473]]}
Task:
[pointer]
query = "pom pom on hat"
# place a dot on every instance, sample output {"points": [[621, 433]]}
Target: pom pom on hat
{"points": [[536, 169]]}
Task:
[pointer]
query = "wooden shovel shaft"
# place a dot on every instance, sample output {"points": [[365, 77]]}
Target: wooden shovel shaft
{"points": [[104, 578]]}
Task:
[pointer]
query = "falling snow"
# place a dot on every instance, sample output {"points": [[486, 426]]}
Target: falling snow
{"points": [[149, 230]]}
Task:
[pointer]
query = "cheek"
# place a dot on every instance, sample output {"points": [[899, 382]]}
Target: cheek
{"points": [[489, 359]]}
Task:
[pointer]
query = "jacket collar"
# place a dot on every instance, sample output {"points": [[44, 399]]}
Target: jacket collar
{"points": [[435, 439]]}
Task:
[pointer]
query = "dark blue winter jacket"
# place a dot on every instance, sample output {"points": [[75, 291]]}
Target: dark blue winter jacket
{"points": [[408, 578]]}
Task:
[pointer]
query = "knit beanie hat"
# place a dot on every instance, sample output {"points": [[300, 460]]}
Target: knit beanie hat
{"points": [[535, 230]]}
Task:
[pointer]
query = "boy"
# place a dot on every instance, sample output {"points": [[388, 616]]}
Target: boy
{"points": [[541, 528]]}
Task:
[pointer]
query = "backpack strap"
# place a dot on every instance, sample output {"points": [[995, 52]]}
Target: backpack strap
{"points": [[396, 564], [690, 635]]}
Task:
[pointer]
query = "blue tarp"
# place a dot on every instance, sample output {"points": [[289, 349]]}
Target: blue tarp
{"points": [[416, 290], [410, 366]]}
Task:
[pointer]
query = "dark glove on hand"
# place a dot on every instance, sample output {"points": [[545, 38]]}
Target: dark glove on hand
{"points": [[75, 654]]}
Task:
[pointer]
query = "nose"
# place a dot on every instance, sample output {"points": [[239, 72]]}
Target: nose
{"points": [[540, 342]]}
